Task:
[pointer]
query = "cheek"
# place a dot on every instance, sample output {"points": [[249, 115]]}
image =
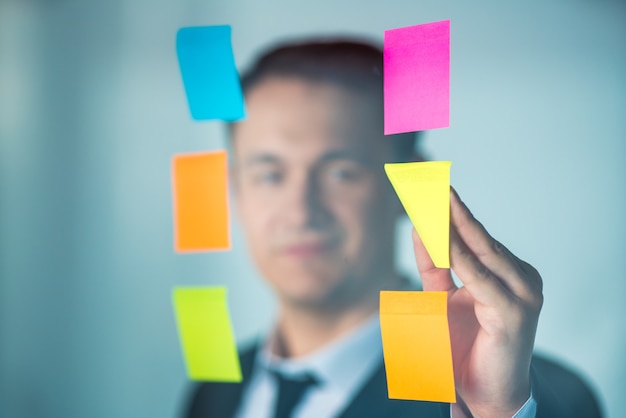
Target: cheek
{"points": [[256, 222], [367, 223], [356, 219]]}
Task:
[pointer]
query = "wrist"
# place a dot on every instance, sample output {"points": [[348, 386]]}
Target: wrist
{"points": [[506, 407]]}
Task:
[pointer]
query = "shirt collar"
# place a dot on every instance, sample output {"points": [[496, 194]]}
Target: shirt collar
{"points": [[343, 363]]}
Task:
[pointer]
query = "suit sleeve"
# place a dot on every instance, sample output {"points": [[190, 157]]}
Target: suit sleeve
{"points": [[560, 392]]}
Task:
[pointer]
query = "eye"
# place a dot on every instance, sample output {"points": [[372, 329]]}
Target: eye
{"points": [[344, 172], [268, 177]]}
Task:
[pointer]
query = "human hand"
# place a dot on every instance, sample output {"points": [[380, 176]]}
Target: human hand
{"points": [[492, 317]]}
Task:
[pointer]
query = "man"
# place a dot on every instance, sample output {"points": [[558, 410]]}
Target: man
{"points": [[319, 216]]}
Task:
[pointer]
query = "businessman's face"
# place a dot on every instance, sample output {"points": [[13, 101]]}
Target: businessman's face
{"points": [[311, 193]]}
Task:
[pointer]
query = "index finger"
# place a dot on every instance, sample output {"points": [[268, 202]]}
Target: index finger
{"points": [[488, 251]]}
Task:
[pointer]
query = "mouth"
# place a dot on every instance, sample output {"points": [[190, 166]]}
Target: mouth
{"points": [[308, 250]]}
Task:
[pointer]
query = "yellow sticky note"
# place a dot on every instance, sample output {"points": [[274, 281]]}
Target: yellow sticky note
{"points": [[424, 190], [200, 192], [416, 346], [206, 334]]}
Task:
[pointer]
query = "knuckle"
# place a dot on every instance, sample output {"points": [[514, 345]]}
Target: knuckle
{"points": [[539, 282], [465, 253], [531, 271], [534, 277], [537, 301], [531, 276], [498, 248], [515, 314], [482, 271], [533, 302]]}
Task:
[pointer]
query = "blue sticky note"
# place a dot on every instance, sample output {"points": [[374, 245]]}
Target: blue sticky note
{"points": [[207, 66]]}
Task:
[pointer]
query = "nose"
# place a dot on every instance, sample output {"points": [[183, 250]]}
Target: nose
{"points": [[305, 206]]}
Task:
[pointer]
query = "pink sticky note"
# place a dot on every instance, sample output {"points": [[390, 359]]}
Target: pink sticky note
{"points": [[417, 78]]}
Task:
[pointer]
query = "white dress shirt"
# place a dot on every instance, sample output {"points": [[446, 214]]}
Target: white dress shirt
{"points": [[342, 368]]}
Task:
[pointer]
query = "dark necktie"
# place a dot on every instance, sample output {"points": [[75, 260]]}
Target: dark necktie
{"points": [[290, 392]]}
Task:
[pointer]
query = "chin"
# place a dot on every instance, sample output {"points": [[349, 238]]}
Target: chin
{"points": [[307, 289], [310, 301]]}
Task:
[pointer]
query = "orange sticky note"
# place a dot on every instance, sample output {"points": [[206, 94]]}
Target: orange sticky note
{"points": [[416, 346], [200, 188]]}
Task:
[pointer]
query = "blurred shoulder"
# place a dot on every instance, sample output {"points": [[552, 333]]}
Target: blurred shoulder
{"points": [[561, 391], [220, 399]]}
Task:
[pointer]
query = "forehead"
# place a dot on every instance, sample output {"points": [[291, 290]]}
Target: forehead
{"points": [[290, 115]]}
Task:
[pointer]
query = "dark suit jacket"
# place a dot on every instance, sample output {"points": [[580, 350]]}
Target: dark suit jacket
{"points": [[559, 393]]}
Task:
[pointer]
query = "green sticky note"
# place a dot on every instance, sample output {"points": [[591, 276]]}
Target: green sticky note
{"points": [[424, 190], [206, 334]]}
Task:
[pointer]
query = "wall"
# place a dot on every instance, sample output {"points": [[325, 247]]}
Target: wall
{"points": [[92, 109]]}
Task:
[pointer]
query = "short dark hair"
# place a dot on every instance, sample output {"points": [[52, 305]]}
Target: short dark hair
{"points": [[352, 64], [347, 63]]}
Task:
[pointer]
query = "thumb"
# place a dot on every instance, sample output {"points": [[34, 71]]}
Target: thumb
{"points": [[433, 278]]}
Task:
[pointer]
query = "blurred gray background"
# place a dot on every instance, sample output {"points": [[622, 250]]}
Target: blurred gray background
{"points": [[92, 109]]}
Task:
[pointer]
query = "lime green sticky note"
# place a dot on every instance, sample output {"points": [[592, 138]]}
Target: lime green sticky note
{"points": [[206, 334], [424, 190]]}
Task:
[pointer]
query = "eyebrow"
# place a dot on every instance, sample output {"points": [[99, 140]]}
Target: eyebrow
{"points": [[340, 154], [343, 154], [263, 158]]}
